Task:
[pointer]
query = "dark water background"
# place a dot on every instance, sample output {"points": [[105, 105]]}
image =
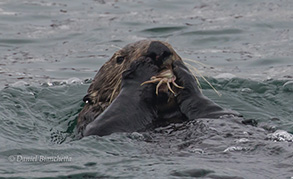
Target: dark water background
{"points": [[49, 51]]}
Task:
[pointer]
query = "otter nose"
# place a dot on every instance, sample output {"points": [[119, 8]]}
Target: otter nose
{"points": [[158, 52]]}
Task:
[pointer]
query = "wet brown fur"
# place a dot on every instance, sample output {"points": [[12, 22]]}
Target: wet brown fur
{"points": [[106, 84]]}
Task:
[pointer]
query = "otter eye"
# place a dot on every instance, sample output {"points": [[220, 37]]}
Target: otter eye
{"points": [[119, 59]]}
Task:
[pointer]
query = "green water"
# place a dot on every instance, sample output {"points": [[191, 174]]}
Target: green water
{"points": [[49, 50]]}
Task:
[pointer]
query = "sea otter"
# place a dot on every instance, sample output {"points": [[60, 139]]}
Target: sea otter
{"points": [[124, 96]]}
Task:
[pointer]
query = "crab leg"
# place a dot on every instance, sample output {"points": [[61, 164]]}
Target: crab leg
{"points": [[165, 76], [175, 84], [169, 87], [158, 85], [150, 81]]}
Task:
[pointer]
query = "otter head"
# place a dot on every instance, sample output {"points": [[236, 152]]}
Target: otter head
{"points": [[107, 83]]}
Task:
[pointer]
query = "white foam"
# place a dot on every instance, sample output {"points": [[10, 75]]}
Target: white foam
{"points": [[235, 149], [225, 76], [19, 84], [280, 136]]}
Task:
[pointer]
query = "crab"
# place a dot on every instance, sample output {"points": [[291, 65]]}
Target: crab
{"points": [[165, 76]]}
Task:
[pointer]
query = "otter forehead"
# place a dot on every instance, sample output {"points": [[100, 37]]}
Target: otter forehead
{"points": [[145, 46], [158, 50]]}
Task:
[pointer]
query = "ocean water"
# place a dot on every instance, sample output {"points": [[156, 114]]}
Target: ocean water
{"points": [[50, 51]]}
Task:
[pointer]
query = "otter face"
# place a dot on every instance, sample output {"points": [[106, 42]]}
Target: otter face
{"points": [[107, 83]]}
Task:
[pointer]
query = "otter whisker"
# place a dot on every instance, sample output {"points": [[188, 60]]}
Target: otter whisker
{"points": [[195, 61], [115, 46], [116, 88], [197, 71], [194, 69]]}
